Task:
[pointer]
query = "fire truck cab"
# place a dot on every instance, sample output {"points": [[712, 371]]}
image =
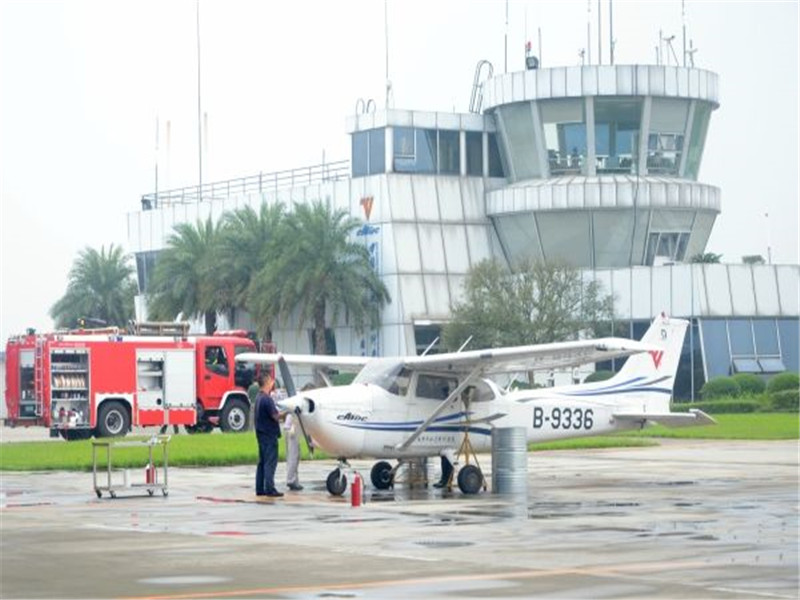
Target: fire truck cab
{"points": [[84, 383]]}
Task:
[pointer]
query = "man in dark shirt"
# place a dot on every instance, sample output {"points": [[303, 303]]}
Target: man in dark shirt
{"points": [[267, 433]]}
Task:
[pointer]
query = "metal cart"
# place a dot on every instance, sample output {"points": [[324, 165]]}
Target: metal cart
{"points": [[151, 483]]}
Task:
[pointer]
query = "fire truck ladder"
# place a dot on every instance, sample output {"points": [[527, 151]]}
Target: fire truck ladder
{"points": [[38, 375]]}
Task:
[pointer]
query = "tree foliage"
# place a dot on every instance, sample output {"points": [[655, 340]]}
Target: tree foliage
{"points": [[315, 270], [538, 303], [246, 238], [100, 286], [185, 280], [706, 257]]}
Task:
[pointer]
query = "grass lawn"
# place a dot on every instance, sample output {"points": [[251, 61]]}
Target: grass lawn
{"points": [[240, 449], [200, 450]]}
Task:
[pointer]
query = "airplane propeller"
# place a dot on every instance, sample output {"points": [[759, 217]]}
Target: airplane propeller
{"points": [[291, 390]]}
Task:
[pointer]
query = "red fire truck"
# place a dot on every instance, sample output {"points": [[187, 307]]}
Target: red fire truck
{"points": [[101, 382]]}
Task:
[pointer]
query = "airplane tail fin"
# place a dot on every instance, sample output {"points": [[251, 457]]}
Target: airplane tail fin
{"points": [[646, 379]]}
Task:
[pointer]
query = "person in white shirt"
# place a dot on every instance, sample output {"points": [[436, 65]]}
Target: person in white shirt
{"points": [[290, 427]]}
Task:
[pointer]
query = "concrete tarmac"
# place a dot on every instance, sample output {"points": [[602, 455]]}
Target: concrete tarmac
{"points": [[687, 519]]}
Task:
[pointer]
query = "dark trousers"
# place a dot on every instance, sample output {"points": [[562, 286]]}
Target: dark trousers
{"points": [[267, 461]]}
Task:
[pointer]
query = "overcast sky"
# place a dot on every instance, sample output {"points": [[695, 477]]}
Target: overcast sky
{"points": [[83, 84]]}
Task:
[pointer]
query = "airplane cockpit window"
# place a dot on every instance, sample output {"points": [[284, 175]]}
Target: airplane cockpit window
{"points": [[435, 387], [391, 375]]}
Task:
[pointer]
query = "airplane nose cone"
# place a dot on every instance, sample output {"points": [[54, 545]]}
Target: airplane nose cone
{"points": [[298, 404]]}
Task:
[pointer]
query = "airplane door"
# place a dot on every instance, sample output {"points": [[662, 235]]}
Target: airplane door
{"points": [[215, 378]]}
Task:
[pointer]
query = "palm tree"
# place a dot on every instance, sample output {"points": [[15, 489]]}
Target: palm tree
{"points": [[706, 257], [184, 280], [242, 250], [314, 266], [100, 288]]}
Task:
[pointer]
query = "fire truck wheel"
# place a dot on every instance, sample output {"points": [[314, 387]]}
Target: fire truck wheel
{"points": [[202, 427], [72, 435], [113, 420], [235, 416]]}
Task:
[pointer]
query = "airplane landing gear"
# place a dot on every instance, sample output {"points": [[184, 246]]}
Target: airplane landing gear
{"points": [[470, 479], [382, 475], [337, 480]]}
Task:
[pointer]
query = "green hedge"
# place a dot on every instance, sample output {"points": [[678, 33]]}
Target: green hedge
{"points": [[785, 400], [720, 387], [750, 384], [783, 381], [599, 376], [725, 406]]}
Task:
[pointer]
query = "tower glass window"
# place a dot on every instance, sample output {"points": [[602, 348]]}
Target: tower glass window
{"points": [[475, 153], [367, 152], [495, 163], [617, 124], [449, 156], [665, 141], [517, 122], [702, 116], [564, 128]]}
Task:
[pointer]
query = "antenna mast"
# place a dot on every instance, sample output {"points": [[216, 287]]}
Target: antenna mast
{"points": [[199, 114], [386, 47], [611, 29], [599, 35], [588, 32], [683, 22], [505, 43]]}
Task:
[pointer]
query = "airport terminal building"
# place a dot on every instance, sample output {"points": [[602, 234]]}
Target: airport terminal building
{"points": [[594, 165]]}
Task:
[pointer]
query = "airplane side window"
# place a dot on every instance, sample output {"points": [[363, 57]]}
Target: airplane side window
{"points": [[399, 385], [436, 388]]}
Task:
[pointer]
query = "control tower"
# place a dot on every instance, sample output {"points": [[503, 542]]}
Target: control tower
{"points": [[602, 164]]}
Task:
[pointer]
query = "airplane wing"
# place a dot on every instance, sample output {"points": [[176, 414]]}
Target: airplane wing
{"points": [[530, 358], [694, 417], [494, 360], [345, 363]]}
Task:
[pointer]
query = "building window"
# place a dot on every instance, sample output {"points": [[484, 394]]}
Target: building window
{"points": [[449, 156], [520, 140], [368, 156], [564, 128], [425, 335], [746, 346], [495, 163], [702, 116], [475, 153], [145, 267], [426, 151], [667, 246], [617, 123]]}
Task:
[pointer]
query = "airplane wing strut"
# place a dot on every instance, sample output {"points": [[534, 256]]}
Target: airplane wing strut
{"points": [[454, 395]]}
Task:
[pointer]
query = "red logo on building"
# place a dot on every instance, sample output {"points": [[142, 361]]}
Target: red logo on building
{"points": [[366, 204], [656, 355]]}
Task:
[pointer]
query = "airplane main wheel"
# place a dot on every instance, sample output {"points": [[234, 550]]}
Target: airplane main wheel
{"points": [[336, 482], [381, 475], [470, 479]]}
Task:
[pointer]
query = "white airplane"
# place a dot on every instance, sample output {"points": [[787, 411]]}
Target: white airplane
{"points": [[425, 406]]}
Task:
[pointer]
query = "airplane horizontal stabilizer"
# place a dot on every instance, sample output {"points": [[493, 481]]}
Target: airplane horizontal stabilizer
{"points": [[693, 418]]}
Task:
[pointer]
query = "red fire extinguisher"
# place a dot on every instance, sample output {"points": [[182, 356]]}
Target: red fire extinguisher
{"points": [[150, 474], [356, 490]]}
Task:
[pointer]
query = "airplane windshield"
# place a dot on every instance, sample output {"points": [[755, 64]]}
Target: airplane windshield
{"points": [[389, 374]]}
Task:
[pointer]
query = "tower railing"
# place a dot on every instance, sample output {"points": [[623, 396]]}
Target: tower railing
{"points": [[251, 184]]}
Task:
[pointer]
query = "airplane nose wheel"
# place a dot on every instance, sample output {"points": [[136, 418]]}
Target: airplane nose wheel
{"points": [[336, 482]]}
